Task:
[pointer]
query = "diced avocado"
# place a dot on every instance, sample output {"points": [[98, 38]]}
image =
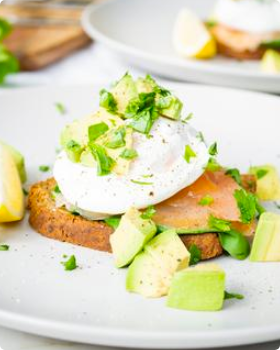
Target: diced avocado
{"points": [[18, 159], [145, 85], [87, 158], [266, 244], [130, 237], [271, 62], [124, 91], [151, 271], [200, 288], [173, 111], [268, 182], [74, 151]]}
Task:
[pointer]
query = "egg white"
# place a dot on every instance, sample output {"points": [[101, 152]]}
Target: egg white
{"points": [[160, 164], [249, 15]]}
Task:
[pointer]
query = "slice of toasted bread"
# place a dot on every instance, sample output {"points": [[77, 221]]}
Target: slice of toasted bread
{"points": [[59, 224]]}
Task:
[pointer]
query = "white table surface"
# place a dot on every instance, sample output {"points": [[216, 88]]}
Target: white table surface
{"points": [[93, 65]]}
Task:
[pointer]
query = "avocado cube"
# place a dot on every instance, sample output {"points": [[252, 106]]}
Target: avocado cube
{"points": [[130, 237], [173, 111], [266, 244], [124, 91], [18, 159], [268, 182], [200, 288], [151, 271]]}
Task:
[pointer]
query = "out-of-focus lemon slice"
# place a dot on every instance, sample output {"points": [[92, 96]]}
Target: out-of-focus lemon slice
{"points": [[11, 195], [191, 38], [271, 62]]}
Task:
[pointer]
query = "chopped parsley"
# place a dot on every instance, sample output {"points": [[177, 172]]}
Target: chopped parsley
{"points": [[213, 165], [235, 174], [117, 138], [247, 205], [104, 162], [56, 189], [195, 254], [273, 44], [260, 173], [60, 108], [213, 149], [189, 153], [4, 247], [113, 221], [70, 264], [141, 182], [129, 154], [200, 136], [148, 213], [5, 28], [206, 200], [25, 192], [187, 118], [219, 224], [233, 296], [97, 130], [211, 23], [74, 150], [44, 168], [235, 244], [107, 101]]}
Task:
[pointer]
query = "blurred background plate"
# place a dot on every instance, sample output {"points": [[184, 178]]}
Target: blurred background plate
{"points": [[140, 31]]}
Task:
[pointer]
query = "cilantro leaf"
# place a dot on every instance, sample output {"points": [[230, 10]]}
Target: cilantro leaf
{"points": [[148, 213], [219, 224], [213, 149], [60, 108], [206, 200], [235, 174], [74, 150], [272, 44], [113, 221], [233, 296], [8, 63], [200, 136], [247, 205], [189, 153], [129, 154], [187, 118], [5, 28], [141, 182], [70, 264], [117, 138], [195, 254], [213, 165], [44, 168], [25, 191], [4, 247], [235, 244], [261, 173], [97, 130], [107, 101], [104, 162]]}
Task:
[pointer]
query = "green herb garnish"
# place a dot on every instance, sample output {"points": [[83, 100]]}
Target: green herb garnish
{"points": [[97, 130], [113, 221], [219, 224], [188, 118], [25, 192], [213, 165], [74, 150], [195, 254], [200, 136], [261, 173], [211, 23], [60, 108], [5, 28], [129, 154], [141, 182], [104, 162], [44, 168], [233, 296], [247, 205], [70, 264], [213, 149], [273, 44], [148, 213], [189, 153], [4, 247], [206, 200], [107, 101], [117, 138], [277, 205], [235, 174]]}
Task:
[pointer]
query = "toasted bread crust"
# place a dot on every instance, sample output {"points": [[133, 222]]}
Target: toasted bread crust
{"points": [[59, 224]]}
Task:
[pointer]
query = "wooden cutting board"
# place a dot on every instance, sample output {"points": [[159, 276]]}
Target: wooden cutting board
{"points": [[41, 44]]}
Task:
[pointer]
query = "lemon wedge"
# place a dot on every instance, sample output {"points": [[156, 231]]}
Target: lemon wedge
{"points": [[191, 38], [271, 62], [11, 195]]}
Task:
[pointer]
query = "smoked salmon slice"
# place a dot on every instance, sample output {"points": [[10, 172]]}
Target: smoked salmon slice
{"points": [[183, 210]]}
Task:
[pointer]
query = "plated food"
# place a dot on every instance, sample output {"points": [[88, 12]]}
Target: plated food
{"points": [[243, 30], [135, 179]]}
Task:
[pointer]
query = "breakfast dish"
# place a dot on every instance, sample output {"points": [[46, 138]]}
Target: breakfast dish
{"points": [[87, 296], [137, 180]]}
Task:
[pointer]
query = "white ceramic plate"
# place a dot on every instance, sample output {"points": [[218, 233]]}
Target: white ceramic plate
{"points": [[140, 31], [90, 304]]}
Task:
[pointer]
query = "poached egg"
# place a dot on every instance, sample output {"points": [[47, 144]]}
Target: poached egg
{"points": [[158, 173]]}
